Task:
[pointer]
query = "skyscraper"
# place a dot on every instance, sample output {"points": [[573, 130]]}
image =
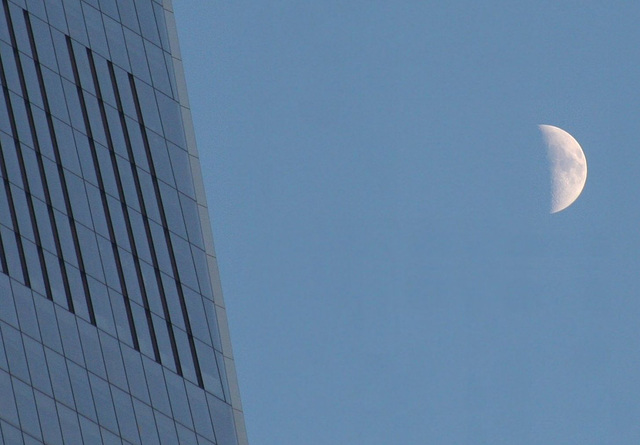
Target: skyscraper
{"points": [[112, 324]]}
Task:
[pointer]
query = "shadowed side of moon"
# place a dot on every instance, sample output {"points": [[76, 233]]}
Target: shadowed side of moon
{"points": [[567, 165]]}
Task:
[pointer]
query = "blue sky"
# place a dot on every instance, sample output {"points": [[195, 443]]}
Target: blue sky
{"points": [[380, 198]]}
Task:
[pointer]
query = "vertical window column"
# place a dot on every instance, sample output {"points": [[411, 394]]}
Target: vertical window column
{"points": [[165, 226], [103, 195], [63, 184], [100, 180], [37, 276], [15, 228], [147, 227]]}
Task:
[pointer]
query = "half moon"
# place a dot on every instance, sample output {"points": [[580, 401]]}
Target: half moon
{"points": [[567, 164]]}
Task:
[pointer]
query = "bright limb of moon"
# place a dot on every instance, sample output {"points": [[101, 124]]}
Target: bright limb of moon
{"points": [[567, 164]]}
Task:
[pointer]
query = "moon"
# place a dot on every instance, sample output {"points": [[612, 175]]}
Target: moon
{"points": [[567, 165]]}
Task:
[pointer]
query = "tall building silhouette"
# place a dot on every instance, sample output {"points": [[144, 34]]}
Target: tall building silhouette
{"points": [[112, 324]]}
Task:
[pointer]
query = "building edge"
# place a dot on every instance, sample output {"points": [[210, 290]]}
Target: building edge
{"points": [[205, 223]]}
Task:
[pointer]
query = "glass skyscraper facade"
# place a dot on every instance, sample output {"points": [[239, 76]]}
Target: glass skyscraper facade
{"points": [[112, 324]]}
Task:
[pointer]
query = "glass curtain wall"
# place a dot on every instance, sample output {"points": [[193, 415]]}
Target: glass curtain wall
{"points": [[112, 328]]}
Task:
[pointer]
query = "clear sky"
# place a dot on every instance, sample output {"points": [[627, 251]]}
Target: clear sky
{"points": [[380, 202]]}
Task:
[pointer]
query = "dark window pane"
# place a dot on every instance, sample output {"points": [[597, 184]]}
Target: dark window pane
{"points": [[173, 302], [128, 14], [110, 7], [102, 306], [91, 348], [157, 386], [115, 39], [31, 80], [90, 431], [55, 13], [78, 292], [4, 364], [197, 315], [82, 391], [125, 414], [37, 366], [161, 247], [184, 259], [95, 119], [222, 418], [106, 168], [67, 147], [186, 358], [147, 20], [10, 433], [97, 210], [146, 422], [48, 324], [171, 115], [104, 80], [159, 72], [56, 281], [11, 252], [162, 26], [26, 310], [59, 377], [22, 122], [44, 44], [128, 183], [26, 408], [130, 276], [86, 158], [35, 267], [69, 424], [20, 28], [48, 419], [62, 52], [73, 102], [192, 220], [69, 335], [9, 66], [4, 27], [135, 374], [209, 368], [89, 247], [142, 325], [166, 429], [44, 225], [164, 343], [75, 19], [7, 401], [55, 95], [8, 313], [95, 29], [78, 199], [137, 56], [104, 402], [172, 210], [109, 263], [151, 287], [22, 212], [54, 185], [178, 399], [185, 435], [113, 361], [36, 7], [149, 107], [121, 317], [200, 411]]}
